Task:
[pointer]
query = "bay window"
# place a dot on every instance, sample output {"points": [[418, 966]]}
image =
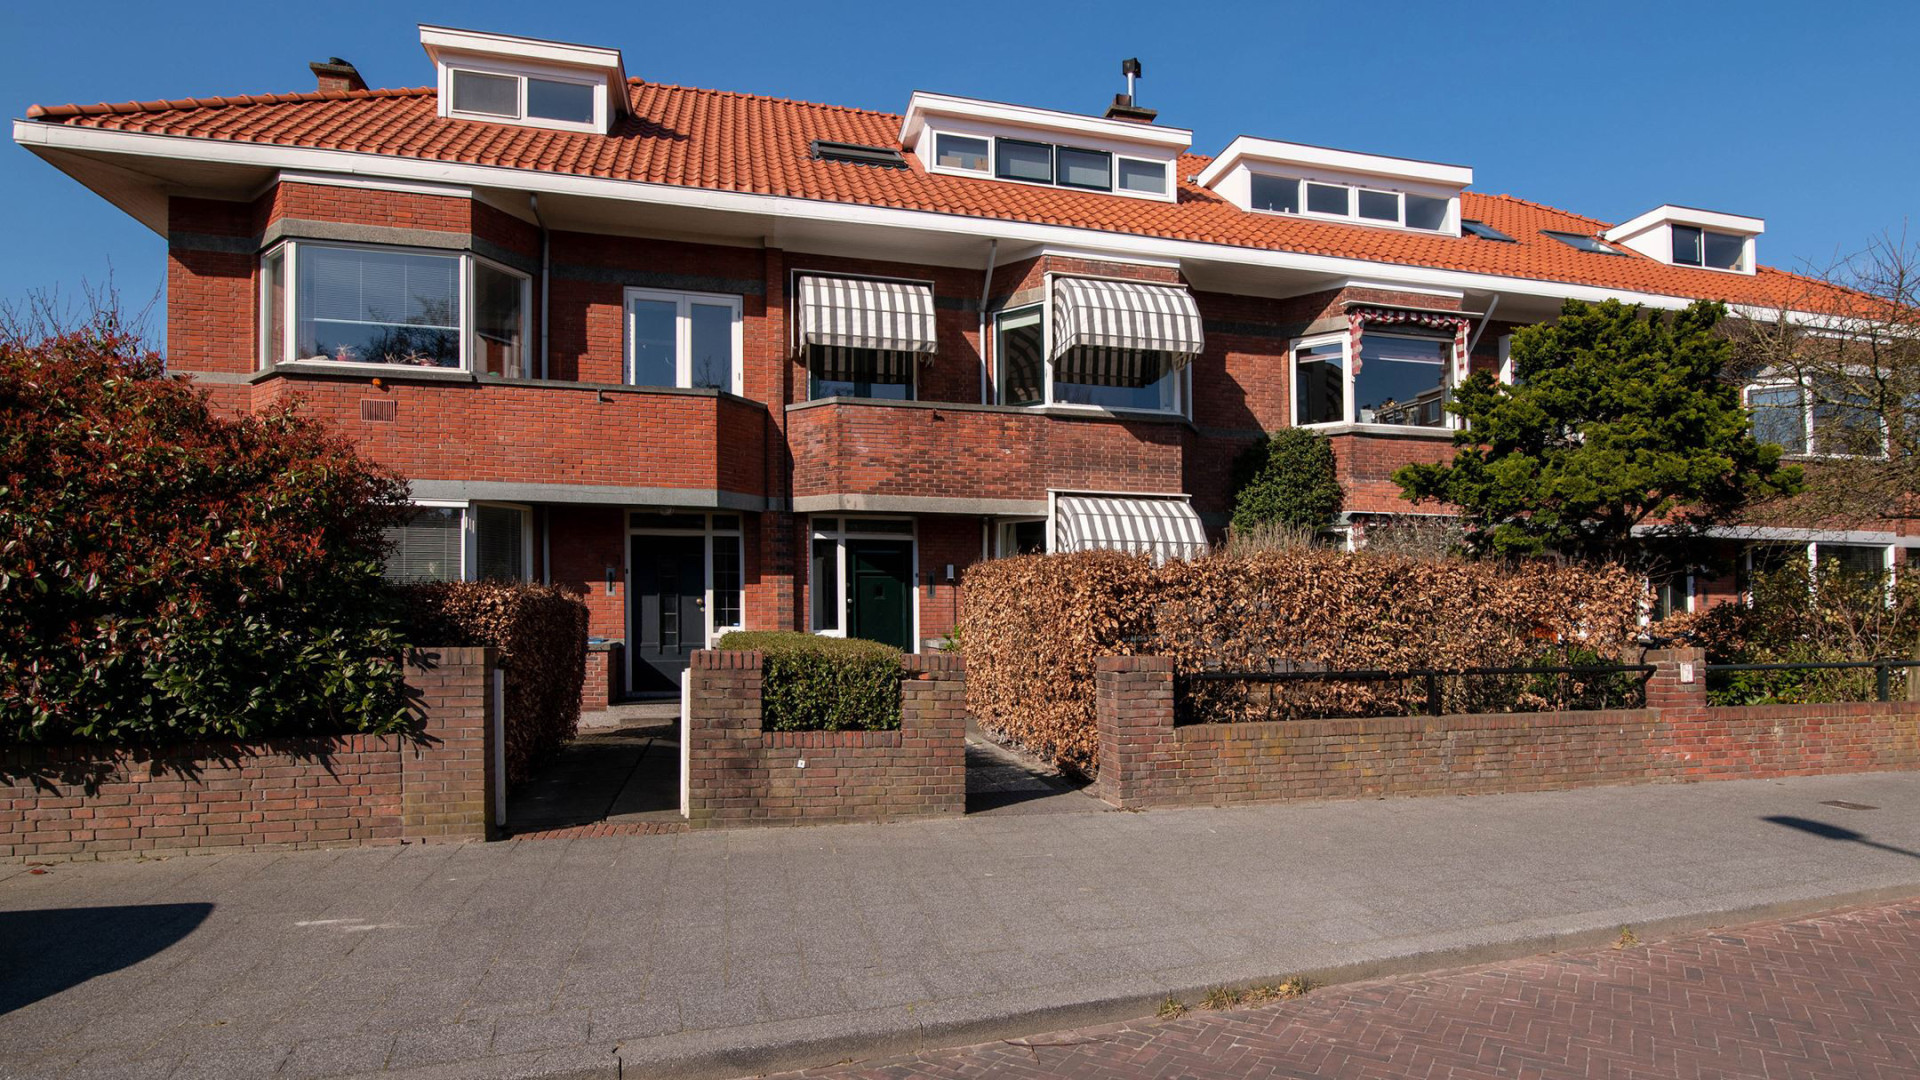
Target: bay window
{"points": [[688, 340], [356, 304], [1400, 379], [1143, 380]]}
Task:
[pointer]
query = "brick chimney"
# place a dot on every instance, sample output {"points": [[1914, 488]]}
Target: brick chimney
{"points": [[337, 74], [1123, 108]]}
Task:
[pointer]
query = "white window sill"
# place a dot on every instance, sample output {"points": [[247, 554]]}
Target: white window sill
{"points": [[1411, 430]]}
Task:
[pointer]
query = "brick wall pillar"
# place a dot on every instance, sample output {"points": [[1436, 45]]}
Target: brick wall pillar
{"points": [[446, 774], [1668, 688], [723, 713], [933, 724], [1133, 702]]}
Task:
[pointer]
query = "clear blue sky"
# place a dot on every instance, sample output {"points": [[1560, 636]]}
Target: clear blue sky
{"points": [[1801, 114]]}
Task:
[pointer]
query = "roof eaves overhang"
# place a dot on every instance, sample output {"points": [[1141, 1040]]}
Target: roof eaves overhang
{"points": [[48, 139]]}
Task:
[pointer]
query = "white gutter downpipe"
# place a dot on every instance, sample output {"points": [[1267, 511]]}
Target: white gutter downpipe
{"points": [[546, 276]]}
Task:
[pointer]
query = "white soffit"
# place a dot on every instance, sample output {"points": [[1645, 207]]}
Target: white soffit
{"points": [[1248, 150], [1718, 221], [1047, 122]]}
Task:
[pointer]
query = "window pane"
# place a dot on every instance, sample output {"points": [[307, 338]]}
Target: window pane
{"points": [[427, 547], [1328, 199], [1144, 176], [1401, 381], [1024, 161], [712, 333], [495, 95], [565, 101], [865, 373], [1085, 168], [1724, 251], [961, 152], [1116, 379], [1380, 206], [1844, 422], [497, 345], [652, 344], [1018, 362], [726, 581], [377, 307], [500, 544], [1317, 389], [1779, 417], [274, 327], [1426, 212], [1686, 245], [1023, 538], [1851, 559], [1278, 193], [826, 585]]}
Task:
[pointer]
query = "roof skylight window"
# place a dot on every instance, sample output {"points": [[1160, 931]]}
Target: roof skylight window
{"points": [[885, 157], [1581, 242], [1486, 232]]}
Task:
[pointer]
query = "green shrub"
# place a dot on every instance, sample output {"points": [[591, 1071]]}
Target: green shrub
{"points": [[172, 573], [1287, 478], [541, 633], [814, 683]]}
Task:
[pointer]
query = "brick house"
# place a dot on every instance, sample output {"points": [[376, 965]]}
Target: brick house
{"points": [[723, 360]]}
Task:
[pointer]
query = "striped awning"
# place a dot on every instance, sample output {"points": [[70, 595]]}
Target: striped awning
{"points": [[859, 313], [1166, 528], [1132, 316]]}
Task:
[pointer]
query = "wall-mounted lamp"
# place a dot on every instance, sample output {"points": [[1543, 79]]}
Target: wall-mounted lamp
{"points": [[610, 573]]}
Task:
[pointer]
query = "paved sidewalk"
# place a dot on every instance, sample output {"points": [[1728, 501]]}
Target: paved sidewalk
{"points": [[723, 953], [1833, 998]]}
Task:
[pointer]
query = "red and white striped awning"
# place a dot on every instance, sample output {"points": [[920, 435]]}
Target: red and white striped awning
{"points": [[1166, 528]]}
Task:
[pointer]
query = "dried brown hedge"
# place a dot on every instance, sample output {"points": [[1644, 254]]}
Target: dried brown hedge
{"points": [[1033, 626], [541, 633]]}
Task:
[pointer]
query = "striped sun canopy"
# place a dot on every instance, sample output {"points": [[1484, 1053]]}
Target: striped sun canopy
{"points": [[859, 313], [1164, 528]]}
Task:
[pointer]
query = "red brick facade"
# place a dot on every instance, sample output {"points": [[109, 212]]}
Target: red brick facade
{"points": [[433, 785], [741, 774], [1147, 761]]}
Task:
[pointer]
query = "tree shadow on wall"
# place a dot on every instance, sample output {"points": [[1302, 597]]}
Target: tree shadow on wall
{"points": [[50, 950]]}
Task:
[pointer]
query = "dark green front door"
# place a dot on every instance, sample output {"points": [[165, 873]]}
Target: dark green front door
{"points": [[880, 591]]}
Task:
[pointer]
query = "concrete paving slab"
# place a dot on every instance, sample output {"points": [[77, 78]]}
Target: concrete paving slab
{"points": [[717, 954]]}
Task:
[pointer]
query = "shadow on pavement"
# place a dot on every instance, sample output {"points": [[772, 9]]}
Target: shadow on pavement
{"points": [[46, 951], [1827, 831], [1002, 780], [617, 774]]}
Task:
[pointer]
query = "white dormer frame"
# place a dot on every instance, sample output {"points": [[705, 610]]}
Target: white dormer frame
{"points": [[1651, 234], [521, 59], [931, 115], [1231, 176]]}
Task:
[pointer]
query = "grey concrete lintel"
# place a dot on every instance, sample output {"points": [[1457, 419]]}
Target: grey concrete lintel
{"points": [[583, 494], [918, 504]]}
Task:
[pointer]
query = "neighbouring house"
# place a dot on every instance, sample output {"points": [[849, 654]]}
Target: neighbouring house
{"points": [[724, 360]]}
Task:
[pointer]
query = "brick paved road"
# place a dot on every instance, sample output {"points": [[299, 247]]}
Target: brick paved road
{"points": [[1837, 996]]}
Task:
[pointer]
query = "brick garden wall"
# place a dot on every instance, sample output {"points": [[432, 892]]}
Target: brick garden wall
{"points": [[1145, 760], [741, 774], [82, 803]]}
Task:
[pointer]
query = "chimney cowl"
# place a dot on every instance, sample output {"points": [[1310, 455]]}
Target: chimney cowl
{"points": [[335, 74], [1123, 108]]}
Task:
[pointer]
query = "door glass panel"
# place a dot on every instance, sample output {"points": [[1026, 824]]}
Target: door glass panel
{"points": [[652, 343], [712, 365], [1021, 365], [500, 543], [826, 585], [726, 581]]}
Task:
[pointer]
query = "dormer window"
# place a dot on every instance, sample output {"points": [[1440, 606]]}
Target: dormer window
{"points": [[1312, 181], [515, 80], [1684, 236], [1694, 246], [964, 137]]}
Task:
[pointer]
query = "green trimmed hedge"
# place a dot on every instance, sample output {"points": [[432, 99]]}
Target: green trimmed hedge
{"points": [[814, 683]]}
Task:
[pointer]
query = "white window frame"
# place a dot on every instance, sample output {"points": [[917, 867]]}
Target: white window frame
{"points": [[1888, 562], [521, 73], [1182, 384], [683, 333], [1746, 249], [1002, 527], [929, 152], [839, 534], [713, 534], [466, 325], [466, 530], [1449, 223], [1807, 406], [806, 363], [1347, 405]]}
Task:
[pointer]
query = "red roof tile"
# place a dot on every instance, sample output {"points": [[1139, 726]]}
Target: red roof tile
{"points": [[729, 141]]}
